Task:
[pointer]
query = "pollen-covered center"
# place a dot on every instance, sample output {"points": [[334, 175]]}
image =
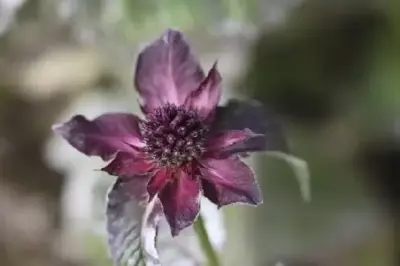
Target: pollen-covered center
{"points": [[173, 135]]}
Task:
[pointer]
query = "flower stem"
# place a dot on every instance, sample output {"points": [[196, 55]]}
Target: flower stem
{"points": [[208, 249]]}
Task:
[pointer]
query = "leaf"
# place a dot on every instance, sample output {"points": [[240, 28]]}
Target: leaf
{"points": [[140, 236], [239, 115], [300, 169], [132, 224]]}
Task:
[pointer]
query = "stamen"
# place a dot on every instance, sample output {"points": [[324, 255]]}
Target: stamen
{"points": [[174, 136]]}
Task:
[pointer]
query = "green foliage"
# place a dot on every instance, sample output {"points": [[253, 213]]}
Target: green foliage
{"points": [[300, 170]]}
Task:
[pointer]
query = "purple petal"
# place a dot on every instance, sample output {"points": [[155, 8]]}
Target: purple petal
{"points": [[238, 115], [167, 71], [158, 181], [229, 181], [223, 142], [205, 99], [103, 136], [180, 199], [132, 223], [127, 164]]}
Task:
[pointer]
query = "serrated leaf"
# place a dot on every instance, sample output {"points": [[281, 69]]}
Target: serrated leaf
{"points": [[300, 169]]}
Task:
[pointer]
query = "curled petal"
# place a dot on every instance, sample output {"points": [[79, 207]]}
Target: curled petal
{"points": [[238, 115], [205, 99], [103, 136], [224, 141], [229, 181], [180, 199], [127, 164], [167, 71]]}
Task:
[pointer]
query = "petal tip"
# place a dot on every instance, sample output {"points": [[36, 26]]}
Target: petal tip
{"points": [[252, 133], [215, 65], [215, 72], [172, 35], [107, 169], [257, 202], [177, 228], [62, 128], [175, 232], [172, 32], [56, 128]]}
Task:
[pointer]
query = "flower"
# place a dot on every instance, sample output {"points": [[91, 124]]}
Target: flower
{"points": [[178, 149]]}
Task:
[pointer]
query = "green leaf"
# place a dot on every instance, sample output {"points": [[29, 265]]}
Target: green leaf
{"points": [[300, 169]]}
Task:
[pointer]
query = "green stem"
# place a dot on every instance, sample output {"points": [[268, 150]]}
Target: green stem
{"points": [[208, 249]]}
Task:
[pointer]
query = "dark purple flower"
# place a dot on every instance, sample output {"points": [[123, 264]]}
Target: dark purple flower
{"points": [[186, 146]]}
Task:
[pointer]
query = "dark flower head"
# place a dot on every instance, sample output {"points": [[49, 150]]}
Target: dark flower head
{"points": [[174, 136], [179, 149]]}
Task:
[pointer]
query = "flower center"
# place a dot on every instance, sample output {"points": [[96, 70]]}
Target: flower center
{"points": [[174, 136]]}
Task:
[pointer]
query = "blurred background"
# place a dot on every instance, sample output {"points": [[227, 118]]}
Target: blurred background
{"points": [[330, 69]]}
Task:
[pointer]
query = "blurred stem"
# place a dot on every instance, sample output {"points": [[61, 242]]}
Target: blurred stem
{"points": [[206, 246]]}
